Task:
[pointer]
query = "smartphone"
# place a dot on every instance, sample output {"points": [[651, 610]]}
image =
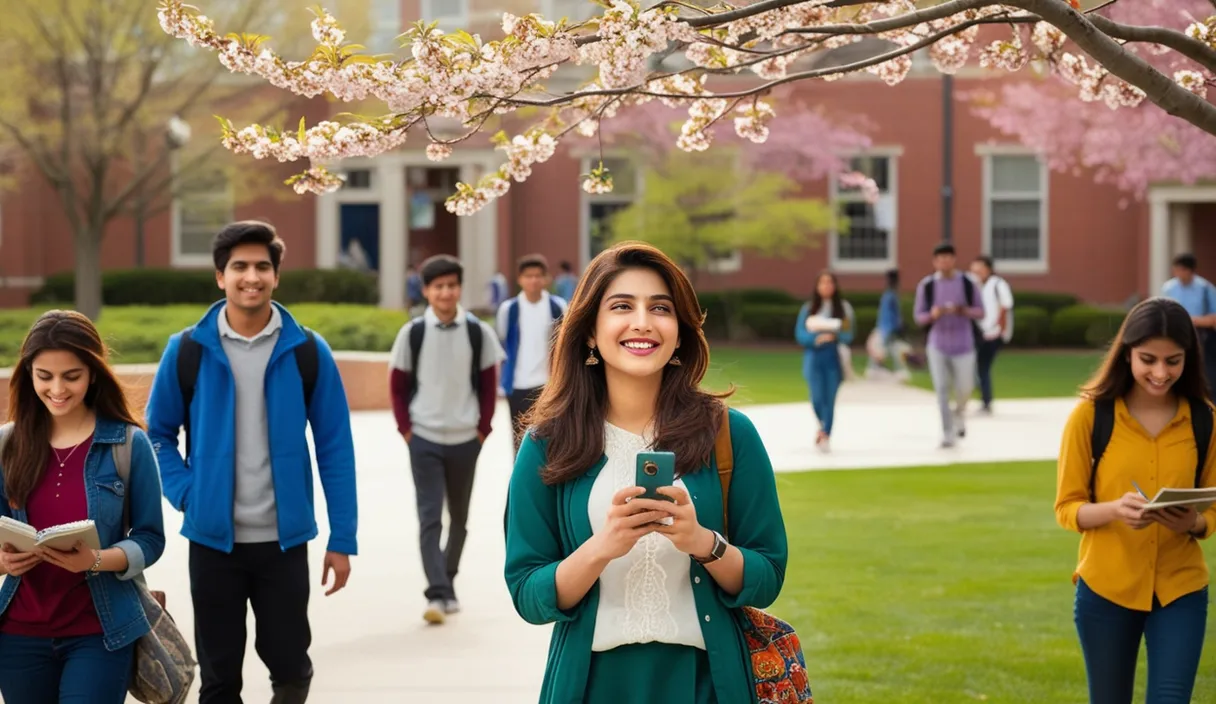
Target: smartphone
{"points": [[656, 469]]}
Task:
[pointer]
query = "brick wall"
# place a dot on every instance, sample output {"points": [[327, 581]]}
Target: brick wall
{"points": [[364, 374]]}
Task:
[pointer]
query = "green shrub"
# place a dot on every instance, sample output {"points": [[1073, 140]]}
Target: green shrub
{"points": [[771, 321], [159, 287], [1049, 302], [1085, 326], [137, 334], [1031, 327], [865, 319]]}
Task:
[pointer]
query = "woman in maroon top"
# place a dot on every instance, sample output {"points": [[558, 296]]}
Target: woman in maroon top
{"points": [[69, 619]]}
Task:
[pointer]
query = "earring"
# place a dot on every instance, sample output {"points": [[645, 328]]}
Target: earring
{"points": [[592, 360], [674, 361]]}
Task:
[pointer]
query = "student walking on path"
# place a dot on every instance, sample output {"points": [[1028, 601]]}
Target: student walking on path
{"points": [[824, 328], [1144, 423], [996, 328], [71, 618], [442, 379], [948, 303], [525, 326], [246, 382], [644, 593], [1198, 296]]}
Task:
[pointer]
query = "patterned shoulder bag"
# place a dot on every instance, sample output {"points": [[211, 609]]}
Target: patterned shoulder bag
{"points": [[778, 665]]}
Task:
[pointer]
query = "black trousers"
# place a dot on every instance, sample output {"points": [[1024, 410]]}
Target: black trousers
{"points": [[442, 474], [984, 357], [275, 583], [520, 401]]}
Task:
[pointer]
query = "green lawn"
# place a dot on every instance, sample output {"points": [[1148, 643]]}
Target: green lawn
{"points": [[775, 375], [938, 585]]}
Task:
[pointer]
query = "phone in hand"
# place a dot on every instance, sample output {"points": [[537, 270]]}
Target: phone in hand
{"points": [[656, 469]]}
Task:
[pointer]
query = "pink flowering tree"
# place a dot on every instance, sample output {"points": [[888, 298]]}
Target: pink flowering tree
{"points": [[1131, 148], [737, 56]]}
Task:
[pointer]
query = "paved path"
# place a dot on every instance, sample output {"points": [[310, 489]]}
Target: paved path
{"points": [[370, 644]]}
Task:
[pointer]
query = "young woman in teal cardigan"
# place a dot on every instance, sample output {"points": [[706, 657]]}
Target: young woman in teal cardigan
{"points": [[645, 594], [824, 325]]}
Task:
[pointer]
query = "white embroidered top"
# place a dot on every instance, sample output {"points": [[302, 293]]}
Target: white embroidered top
{"points": [[645, 596]]}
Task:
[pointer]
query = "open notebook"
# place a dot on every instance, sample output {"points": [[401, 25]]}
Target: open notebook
{"points": [[24, 538], [1201, 498]]}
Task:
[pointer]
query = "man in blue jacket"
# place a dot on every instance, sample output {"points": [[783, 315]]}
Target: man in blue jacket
{"points": [[244, 382]]}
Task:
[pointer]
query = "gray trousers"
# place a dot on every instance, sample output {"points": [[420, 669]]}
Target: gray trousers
{"points": [[442, 472], [951, 373]]}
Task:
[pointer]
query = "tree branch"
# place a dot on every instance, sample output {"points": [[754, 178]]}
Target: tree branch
{"points": [[1196, 51], [1121, 62]]}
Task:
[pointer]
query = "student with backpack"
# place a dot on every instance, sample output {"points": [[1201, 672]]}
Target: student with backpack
{"points": [[70, 617], [1144, 423], [245, 382], [442, 379], [948, 304], [525, 325]]}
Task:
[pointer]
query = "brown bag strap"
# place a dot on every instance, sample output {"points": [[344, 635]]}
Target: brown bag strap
{"points": [[724, 456]]}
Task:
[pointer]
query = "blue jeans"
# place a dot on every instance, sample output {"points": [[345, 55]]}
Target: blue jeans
{"points": [[63, 670], [1110, 639], [821, 369]]}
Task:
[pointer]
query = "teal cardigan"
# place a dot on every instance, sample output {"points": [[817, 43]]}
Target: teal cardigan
{"points": [[545, 524]]}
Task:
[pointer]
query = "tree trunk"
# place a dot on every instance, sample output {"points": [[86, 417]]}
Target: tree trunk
{"points": [[88, 273]]}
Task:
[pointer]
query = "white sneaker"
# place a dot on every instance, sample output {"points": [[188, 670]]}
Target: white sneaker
{"points": [[434, 613], [451, 606]]}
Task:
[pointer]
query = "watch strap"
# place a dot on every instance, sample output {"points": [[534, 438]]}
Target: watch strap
{"points": [[717, 552]]}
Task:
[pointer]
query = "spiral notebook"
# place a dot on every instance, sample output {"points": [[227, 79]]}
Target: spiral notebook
{"points": [[1201, 499], [24, 538]]}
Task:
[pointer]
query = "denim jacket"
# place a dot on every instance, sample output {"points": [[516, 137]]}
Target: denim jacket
{"points": [[115, 595]]}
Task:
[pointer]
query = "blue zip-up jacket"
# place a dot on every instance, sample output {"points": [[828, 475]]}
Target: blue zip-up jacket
{"points": [[511, 340], [201, 486], [889, 317], [808, 339], [115, 595]]}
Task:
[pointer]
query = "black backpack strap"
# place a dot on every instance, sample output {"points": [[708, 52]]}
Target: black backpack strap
{"points": [[555, 310], [968, 290], [417, 330], [1104, 427], [475, 335], [1201, 426], [189, 358], [308, 363]]}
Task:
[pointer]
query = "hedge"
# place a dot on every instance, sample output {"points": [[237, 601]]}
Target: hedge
{"points": [[137, 334], [159, 287]]}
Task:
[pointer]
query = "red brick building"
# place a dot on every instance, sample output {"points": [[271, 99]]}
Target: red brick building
{"points": [[1049, 231]]}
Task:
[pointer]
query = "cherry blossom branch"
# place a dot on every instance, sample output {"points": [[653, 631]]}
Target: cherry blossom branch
{"points": [[1196, 51]]}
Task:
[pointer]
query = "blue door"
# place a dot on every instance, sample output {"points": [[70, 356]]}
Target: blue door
{"points": [[361, 221]]}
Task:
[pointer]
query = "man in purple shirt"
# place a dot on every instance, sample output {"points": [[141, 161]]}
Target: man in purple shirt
{"points": [[947, 304]]}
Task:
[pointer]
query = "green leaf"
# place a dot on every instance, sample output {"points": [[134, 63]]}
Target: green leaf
{"points": [[303, 132]]}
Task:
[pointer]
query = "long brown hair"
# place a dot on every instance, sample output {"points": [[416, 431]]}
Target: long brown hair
{"points": [[817, 299], [571, 410], [1153, 318], [28, 447]]}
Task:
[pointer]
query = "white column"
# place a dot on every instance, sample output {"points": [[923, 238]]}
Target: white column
{"points": [[394, 232], [329, 239], [1158, 245], [478, 244], [1181, 238]]}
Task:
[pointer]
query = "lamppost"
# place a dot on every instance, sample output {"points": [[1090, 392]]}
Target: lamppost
{"points": [[177, 135], [947, 157]]}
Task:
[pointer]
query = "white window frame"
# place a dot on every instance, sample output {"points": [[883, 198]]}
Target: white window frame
{"points": [[552, 9], [587, 162], [867, 266], [1015, 266], [177, 258], [449, 23], [377, 33]]}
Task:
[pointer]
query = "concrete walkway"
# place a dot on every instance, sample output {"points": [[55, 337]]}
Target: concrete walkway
{"points": [[370, 644]]}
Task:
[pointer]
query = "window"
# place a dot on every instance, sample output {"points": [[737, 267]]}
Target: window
{"points": [[573, 10], [451, 14], [385, 20], [598, 208], [869, 242], [203, 204], [1015, 212], [359, 179]]}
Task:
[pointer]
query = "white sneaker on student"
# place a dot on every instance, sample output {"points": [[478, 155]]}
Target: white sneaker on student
{"points": [[434, 613], [451, 606]]}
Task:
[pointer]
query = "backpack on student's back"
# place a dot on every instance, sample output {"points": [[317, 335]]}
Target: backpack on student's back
{"points": [[418, 331], [190, 357], [162, 670], [1104, 427], [968, 295]]}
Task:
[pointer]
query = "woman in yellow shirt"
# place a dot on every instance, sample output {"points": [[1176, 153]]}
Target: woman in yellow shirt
{"points": [[1140, 574]]}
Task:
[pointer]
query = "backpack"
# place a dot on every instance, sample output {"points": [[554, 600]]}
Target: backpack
{"points": [[1104, 427], [162, 670], [190, 356], [778, 665], [418, 330], [968, 295]]}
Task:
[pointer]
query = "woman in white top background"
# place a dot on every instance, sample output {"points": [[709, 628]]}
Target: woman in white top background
{"points": [[645, 593], [825, 327]]}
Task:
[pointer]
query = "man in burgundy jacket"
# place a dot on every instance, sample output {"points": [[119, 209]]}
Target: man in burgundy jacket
{"points": [[444, 417]]}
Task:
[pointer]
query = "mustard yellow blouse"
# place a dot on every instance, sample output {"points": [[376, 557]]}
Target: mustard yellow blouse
{"points": [[1124, 565]]}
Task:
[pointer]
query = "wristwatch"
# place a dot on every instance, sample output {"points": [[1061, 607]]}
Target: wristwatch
{"points": [[717, 552]]}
